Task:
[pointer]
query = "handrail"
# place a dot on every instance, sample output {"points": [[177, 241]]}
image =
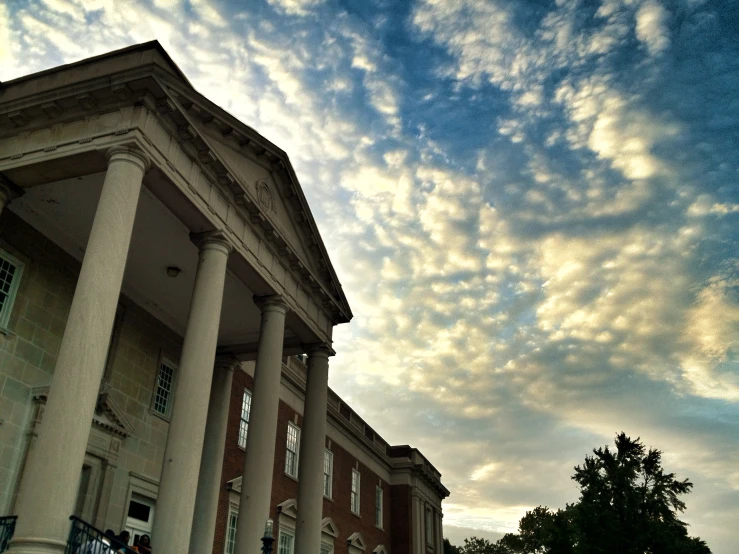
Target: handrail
{"points": [[86, 539], [7, 528]]}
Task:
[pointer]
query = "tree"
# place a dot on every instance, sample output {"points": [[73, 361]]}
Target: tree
{"points": [[628, 505], [449, 548], [476, 545]]}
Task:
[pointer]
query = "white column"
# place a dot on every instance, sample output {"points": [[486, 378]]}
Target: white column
{"points": [[312, 447], [211, 464], [439, 533], [419, 538], [181, 466], [49, 485], [256, 484]]}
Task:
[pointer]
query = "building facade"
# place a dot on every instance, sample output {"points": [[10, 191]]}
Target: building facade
{"points": [[376, 497], [152, 249]]}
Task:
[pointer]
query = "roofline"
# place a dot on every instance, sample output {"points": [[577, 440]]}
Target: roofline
{"points": [[126, 50], [180, 82]]}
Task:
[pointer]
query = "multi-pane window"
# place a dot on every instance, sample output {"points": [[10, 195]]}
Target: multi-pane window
{"points": [[293, 443], [355, 491], [328, 473], [244, 423], [165, 385], [378, 506], [286, 543], [325, 549], [10, 276], [233, 516]]}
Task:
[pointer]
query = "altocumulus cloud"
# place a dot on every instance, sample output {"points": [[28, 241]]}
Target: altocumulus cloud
{"points": [[532, 208]]}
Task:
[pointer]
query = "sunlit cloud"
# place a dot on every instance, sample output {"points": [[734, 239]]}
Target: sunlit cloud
{"points": [[532, 210]]}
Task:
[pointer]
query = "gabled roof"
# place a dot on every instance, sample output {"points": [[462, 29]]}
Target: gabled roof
{"points": [[227, 150], [228, 146]]}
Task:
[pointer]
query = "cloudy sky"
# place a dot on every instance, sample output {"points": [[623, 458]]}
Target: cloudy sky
{"points": [[532, 206]]}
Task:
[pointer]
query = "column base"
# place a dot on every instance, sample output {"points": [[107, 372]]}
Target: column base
{"points": [[36, 545]]}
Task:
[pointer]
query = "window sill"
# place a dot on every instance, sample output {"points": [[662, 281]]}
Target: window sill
{"points": [[329, 498], [286, 474], [159, 415], [355, 514], [7, 333]]}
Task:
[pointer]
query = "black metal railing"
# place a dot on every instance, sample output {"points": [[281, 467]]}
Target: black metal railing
{"points": [[7, 527], [86, 539]]}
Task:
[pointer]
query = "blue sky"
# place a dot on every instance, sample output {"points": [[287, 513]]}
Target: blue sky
{"points": [[532, 207]]}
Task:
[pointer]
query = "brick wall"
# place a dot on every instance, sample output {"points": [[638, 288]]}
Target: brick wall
{"points": [[401, 530], [284, 487]]}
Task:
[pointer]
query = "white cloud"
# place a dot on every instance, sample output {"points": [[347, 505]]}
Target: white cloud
{"points": [[652, 28]]}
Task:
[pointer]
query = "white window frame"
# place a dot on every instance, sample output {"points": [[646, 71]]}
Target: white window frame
{"points": [[244, 421], [12, 293], [292, 457], [379, 512], [165, 362], [233, 517], [291, 547], [354, 494], [328, 477]]}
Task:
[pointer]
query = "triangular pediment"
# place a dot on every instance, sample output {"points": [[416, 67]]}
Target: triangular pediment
{"points": [[234, 484], [285, 213], [329, 527], [254, 186], [277, 200], [261, 179], [289, 508], [107, 416], [380, 549], [357, 541]]}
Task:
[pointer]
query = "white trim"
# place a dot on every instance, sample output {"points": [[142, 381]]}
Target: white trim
{"points": [[232, 512], [328, 527], [288, 452], [381, 515], [330, 474], [12, 294], [288, 508], [164, 362], [356, 540], [242, 421], [291, 547], [352, 493]]}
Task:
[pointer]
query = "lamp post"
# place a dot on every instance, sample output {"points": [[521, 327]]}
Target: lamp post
{"points": [[267, 539]]}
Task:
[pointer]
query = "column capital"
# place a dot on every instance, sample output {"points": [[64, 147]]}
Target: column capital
{"points": [[271, 303], [319, 350], [215, 239], [9, 190], [128, 154], [227, 362]]}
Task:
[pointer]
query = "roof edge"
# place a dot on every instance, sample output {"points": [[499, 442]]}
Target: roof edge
{"points": [[152, 44]]}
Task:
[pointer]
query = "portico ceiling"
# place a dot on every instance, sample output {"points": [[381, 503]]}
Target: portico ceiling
{"points": [[63, 211]]}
